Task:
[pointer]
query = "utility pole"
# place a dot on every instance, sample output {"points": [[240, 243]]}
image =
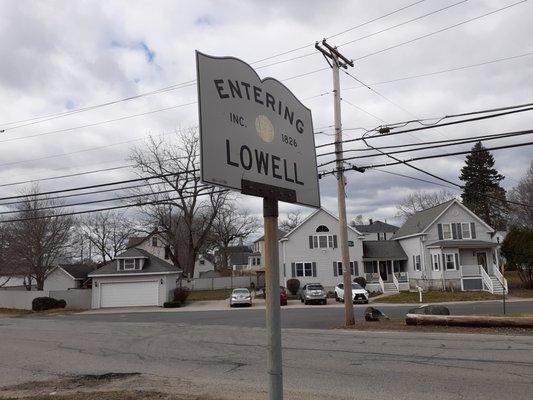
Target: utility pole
{"points": [[336, 60]]}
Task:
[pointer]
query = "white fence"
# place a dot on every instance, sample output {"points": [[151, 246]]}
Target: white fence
{"points": [[226, 282], [21, 299]]}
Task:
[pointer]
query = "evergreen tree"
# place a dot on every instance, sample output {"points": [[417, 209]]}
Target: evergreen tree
{"points": [[482, 192]]}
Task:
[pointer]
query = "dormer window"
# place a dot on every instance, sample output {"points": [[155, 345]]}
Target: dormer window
{"points": [[154, 241], [129, 264], [322, 228]]}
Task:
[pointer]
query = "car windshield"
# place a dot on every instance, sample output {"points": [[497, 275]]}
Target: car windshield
{"points": [[356, 286], [315, 287], [241, 291]]}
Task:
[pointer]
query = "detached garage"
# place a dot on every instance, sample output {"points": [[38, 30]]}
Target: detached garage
{"points": [[136, 278]]}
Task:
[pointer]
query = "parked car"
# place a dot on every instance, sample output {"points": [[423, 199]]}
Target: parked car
{"points": [[358, 293], [240, 296], [283, 296], [313, 293]]}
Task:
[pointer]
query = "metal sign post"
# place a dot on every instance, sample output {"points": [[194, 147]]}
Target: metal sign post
{"points": [[257, 137]]}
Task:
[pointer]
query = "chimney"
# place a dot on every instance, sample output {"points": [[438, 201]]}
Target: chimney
{"points": [[370, 222]]}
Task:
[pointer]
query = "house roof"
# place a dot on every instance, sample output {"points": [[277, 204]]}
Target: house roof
{"points": [[383, 249], [280, 235], [420, 220], [471, 244], [376, 226], [238, 255], [152, 266], [315, 213], [78, 271]]}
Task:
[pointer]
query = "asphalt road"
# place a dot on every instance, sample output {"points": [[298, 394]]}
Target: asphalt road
{"points": [[310, 317], [228, 362]]}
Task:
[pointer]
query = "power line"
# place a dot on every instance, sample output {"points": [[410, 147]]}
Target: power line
{"points": [[157, 202], [437, 146], [439, 31]]}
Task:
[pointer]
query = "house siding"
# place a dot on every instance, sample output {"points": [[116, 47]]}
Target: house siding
{"points": [[58, 280], [295, 249]]}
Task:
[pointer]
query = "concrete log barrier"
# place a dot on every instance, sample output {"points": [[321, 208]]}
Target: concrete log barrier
{"points": [[481, 321]]}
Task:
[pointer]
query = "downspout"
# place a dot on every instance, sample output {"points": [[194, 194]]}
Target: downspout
{"points": [[443, 268], [423, 260]]}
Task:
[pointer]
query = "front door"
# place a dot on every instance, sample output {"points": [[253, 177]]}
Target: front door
{"points": [[383, 270], [482, 260]]}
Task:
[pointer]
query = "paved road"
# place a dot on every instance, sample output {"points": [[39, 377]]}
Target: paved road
{"points": [[310, 317], [229, 362]]}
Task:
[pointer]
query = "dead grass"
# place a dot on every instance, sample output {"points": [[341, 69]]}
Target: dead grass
{"points": [[14, 311], [115, 395], [55, 311], [436, 297], [200, 295]]}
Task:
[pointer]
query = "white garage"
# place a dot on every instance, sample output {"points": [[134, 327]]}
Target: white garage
{"points": [[123, 294], [135, 278]]}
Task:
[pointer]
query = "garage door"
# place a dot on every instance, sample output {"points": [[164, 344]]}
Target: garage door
{"points": [[122, 294]]}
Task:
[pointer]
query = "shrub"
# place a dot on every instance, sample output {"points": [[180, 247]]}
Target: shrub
{"points": [[181, 294], [293, 285], [61, 303], [46, 303], [172, 304], [361, 281]]}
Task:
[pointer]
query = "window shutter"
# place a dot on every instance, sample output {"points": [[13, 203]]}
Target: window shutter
{"points": [[355, 268], [456, 261], [334, 241], [335, 273], [284, 271], [473, 230], [414, 263], [439, 228], [293, 269], [310, 242], [459, 231], [314, 268], [444, 262], [454, 231]]}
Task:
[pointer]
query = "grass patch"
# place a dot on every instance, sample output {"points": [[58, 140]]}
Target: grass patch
{"points": [[524, 293], [54, 311], [14, 311], [199, 295], [437, 297]]}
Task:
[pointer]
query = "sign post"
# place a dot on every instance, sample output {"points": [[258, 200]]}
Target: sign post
{"points": [[257, 137]]}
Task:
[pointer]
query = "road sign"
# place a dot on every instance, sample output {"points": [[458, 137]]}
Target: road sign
{"points": [[254, 133]]}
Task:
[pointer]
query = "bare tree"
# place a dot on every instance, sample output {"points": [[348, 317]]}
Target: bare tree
{"points": [[421, 200], [230, 225], [521, 215], [294, 218], [36, 243], [108, 233], [184, 209]]}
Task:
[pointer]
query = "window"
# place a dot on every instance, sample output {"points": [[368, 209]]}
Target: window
{"points": [[322, 228], [465, 229], [450, 261], [338, 268], [381, 236], [167, 252], [304, 269], [202, 262], [258, 261], [323, 242], [446, 231], [417, 263], [436, 266], [129, 263], [154, 242]]}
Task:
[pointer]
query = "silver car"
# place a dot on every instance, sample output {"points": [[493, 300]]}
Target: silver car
{"points": [[313, 293], [240, 296]]}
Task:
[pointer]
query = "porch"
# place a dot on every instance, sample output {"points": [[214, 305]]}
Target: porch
{"points": [[475, 264], [385, 266]]}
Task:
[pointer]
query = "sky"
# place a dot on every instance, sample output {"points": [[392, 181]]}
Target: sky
{"points": [[60, 56]]}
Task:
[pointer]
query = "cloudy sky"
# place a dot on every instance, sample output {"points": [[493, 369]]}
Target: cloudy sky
{"points": [[60, 56]]}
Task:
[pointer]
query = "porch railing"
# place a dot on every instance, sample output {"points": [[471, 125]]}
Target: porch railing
{"points": [[486, 279], [500, 277], [395, 281], [371, 277], [381, 284], [402, 277]]}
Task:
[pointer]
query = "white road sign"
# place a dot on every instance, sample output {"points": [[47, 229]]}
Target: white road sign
{"points": [[254, 130]]}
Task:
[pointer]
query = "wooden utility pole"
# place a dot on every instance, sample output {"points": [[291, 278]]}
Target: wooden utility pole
{"points": [[336, 60]]}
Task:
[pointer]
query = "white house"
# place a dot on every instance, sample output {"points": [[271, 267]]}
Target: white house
{"points": [[311, 253], [134, 278], [448, 246]]}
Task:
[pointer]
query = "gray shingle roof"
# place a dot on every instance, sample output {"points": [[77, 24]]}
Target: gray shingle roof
{"points": [[153, 265], [280, 235], [471, 244], [419, 221], [383, 249], [78, 271], [376, 226]]}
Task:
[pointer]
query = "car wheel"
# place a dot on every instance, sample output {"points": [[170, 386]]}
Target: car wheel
{"points": [[305, 302], [366, 302]]}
